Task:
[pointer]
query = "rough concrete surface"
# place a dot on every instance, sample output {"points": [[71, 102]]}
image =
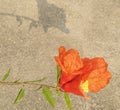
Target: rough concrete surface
{"points": [[31, 32]]}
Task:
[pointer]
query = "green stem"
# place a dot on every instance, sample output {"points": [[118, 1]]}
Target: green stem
{"points": [[27, 83]]}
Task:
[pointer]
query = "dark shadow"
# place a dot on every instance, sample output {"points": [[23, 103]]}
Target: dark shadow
{"points": [[49, 16]]}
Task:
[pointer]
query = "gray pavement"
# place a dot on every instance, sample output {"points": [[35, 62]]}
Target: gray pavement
{"points": [[31, 32]]}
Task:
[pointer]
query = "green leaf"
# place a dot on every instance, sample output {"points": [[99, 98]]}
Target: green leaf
{"points": [[58, 75], [39, 80], [6, 75], [68, 102], [49, 96], [19, 96]]}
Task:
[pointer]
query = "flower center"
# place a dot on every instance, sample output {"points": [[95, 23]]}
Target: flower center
{"points": [[84, 86]]}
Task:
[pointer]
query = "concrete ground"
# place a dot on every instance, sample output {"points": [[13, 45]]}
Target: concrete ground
{"points": [[31, 32]]}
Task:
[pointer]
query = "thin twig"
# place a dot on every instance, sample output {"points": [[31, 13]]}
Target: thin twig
{"points": [[26, 83]]}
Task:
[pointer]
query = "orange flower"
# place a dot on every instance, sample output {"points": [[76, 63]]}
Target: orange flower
{"points": [[69, 62], [81, 75]]}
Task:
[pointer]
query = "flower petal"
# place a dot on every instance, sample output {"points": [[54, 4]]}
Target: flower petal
{"points": [[69, 61], [95, 71], [74, 87], [98, 81], [72, 61]]}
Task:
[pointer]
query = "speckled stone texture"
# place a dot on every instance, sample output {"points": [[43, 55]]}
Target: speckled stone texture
{"points": [[31, 32]]}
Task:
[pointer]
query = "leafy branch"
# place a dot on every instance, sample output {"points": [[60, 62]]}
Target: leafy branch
{"points": [[46, 89]]}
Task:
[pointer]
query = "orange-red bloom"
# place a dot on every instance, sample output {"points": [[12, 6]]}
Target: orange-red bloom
{"points": [[81, 75]]}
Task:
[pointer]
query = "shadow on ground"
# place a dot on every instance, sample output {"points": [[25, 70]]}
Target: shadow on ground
{"points": [[49, 16]]}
